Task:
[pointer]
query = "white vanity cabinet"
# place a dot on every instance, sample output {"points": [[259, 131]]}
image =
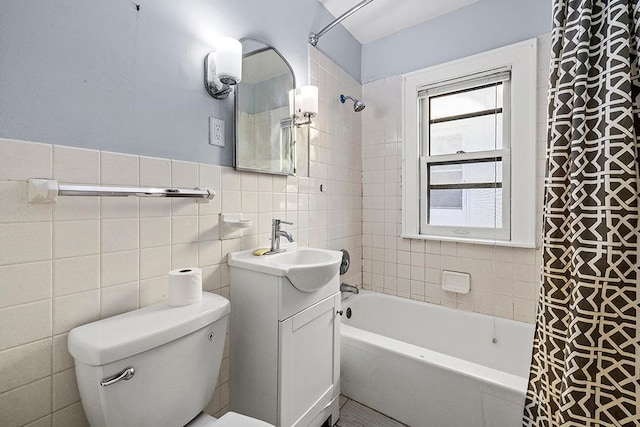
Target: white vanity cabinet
{"points": [[284, 348]]}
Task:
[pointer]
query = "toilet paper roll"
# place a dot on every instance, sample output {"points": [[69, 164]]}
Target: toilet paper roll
{"points": [[185, 286]]}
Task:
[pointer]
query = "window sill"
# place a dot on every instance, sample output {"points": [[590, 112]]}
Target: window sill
{"points": [[528, 245]]}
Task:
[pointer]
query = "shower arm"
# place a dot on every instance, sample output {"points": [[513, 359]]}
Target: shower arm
{"points": [[314, 37]]}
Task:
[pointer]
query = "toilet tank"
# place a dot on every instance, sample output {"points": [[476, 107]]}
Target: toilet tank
{"points": [[176, 354]]}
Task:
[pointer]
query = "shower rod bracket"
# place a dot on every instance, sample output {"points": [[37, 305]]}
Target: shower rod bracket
{"points": [[48, 190], [314, 37]]}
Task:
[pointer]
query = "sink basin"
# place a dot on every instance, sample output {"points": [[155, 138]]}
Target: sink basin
{"points": [[308, 269]]}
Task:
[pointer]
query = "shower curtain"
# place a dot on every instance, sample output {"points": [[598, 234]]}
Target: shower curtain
{"points": [[586, 357]]}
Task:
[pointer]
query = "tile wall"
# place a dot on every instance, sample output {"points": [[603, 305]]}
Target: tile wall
{"points": [[86, 258], [504, 280]]}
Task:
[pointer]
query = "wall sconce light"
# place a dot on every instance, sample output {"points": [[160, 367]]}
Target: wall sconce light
{"points": [[303, 104], [223, 68]]}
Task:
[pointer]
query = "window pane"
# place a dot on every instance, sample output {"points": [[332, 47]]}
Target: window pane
{"points": [[445, 199], [469, 135], [460, 173], [481, 207], [470, 101]]}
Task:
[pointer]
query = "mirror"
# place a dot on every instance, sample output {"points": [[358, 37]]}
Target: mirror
{"points": [[265, 133]]}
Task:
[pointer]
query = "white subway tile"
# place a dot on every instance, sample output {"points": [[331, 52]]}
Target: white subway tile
{"points": [[184, 174], [75, 310], [184, 256], [118, 268], [249, 202], [119, 299], [249, 181], [24, 364], [119, 235], [231, 201], [184, 229], [24, 283], [155, 172], [75, 238], [153, 290], [65, 389], [210, 176], [14, 206], [184, 207], [76, 208], [155, 232], [25, 404], [279, 202], [71, 416], [209, 227], [25, 242], [231, 179], [118, 169], [212, 207], [21, 160], [119, 207], [155, 261], [155, 207], [76, 165], [77, 274], [62, 359], [25, 323], [265, 183]]}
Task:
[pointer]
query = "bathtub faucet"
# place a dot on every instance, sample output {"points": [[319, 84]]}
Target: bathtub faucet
{"points": [[349, 288], [276, 233]]}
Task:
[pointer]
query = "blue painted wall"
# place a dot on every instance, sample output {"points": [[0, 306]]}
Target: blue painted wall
{"points": [[479, 27], [100, 74]]}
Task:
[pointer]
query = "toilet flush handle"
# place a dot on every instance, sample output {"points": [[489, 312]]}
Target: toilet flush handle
{"points": [[126, 374]]}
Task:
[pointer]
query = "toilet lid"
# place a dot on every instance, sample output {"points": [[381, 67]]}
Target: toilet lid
{"points": [[231, 419]]}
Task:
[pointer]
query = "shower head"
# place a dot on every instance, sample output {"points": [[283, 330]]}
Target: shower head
{"points": [[357, 104]]}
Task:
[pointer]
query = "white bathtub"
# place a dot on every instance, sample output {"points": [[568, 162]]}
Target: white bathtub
{"points": [[432, 366]]}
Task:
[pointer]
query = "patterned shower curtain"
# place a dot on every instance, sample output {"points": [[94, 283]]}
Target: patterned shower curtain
{"points": [[586, 356]]}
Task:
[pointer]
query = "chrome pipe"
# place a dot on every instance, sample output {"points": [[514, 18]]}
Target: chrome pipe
{"points": [[314, 37]]}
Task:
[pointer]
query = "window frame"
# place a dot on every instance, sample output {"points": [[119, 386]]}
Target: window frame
{"points": [[518, 151], [473, 82]]}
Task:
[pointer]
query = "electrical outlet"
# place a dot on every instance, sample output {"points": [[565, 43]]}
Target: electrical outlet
{"points": [[216, 132]]}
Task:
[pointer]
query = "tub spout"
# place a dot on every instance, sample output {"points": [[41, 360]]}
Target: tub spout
{"points": [[349, 288]]}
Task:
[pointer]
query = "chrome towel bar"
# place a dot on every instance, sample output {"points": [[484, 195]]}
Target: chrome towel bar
{"points": [[47, 190]]}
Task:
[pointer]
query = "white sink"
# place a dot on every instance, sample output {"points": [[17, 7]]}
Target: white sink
{"points": [[308, 269]]}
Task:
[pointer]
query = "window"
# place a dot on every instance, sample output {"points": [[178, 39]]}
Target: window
{"points": [[469, 135]]}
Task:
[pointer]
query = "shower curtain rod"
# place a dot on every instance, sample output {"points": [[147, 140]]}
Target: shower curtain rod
{"points": [[314, 37]]}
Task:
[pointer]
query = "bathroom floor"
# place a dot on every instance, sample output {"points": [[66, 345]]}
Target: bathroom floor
{"points": [[354, 414]]}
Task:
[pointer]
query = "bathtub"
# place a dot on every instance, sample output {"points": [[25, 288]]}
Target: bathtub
{"points": [[432, 366]]}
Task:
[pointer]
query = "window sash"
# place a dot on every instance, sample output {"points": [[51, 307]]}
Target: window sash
{"points": [[488, 78], [473, 81], [501, 232]]}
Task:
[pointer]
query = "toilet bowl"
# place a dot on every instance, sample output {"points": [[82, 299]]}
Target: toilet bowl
{"points": [[156, 366]]}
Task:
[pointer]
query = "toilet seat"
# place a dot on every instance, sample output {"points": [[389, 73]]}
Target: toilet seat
{"points": [[230, 419]]}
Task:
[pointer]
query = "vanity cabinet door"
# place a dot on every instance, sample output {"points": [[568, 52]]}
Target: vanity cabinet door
{"points": [[309, 363]]}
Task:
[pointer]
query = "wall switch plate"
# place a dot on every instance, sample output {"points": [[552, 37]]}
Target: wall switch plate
{"points": [[216, 132]]}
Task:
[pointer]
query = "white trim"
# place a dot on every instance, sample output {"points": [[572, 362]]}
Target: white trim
{"points": [[521, 58]]}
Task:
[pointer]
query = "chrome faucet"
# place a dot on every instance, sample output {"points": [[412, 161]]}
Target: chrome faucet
{"points": [[349, 288], [276, 233]]}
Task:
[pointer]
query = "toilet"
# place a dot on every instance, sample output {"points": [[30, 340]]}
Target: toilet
{"points": [[156, 366]]}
